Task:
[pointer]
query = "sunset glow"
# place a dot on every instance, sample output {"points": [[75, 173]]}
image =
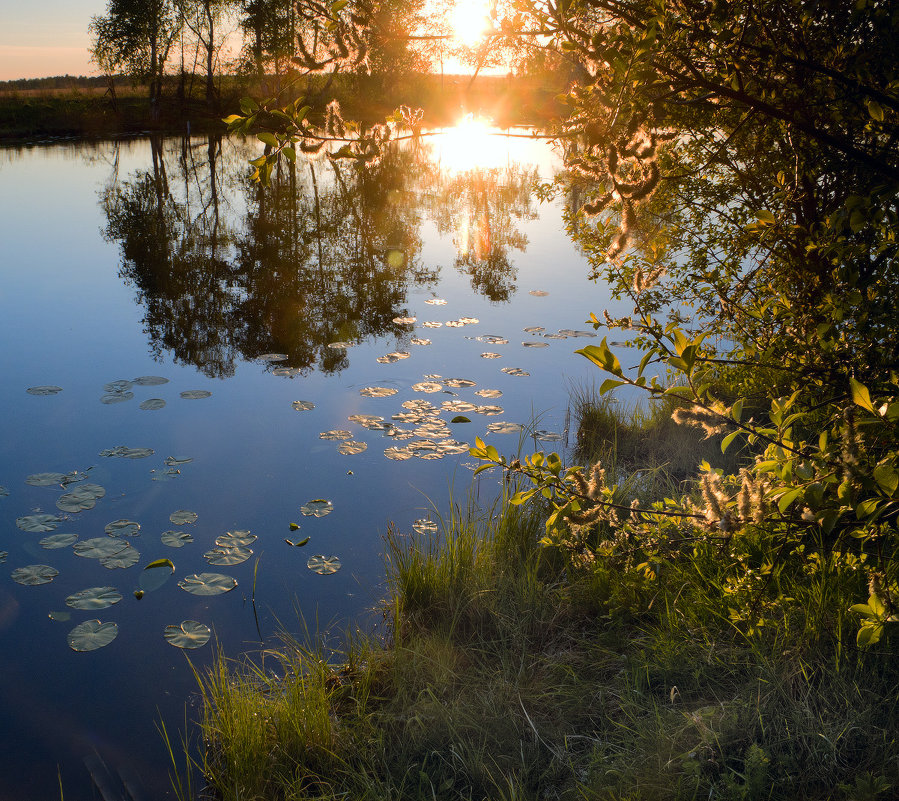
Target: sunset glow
{"points": [[470, 20], [471, 144]]}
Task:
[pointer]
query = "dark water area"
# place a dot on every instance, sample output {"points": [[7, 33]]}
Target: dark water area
{"points": [[159, 258]]}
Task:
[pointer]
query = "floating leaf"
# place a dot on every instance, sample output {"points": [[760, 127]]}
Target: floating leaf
{"points": [[195, 394], [80, 498], [533, 329], [533, 344], [458, 406], [457, 383], [4, 492], [152, 404], [183, 517], [547, 436], [538, 293], [46, 389], [58, 541], [397, 454], [32, 575], [116, 397], [91, 635], [395, 257], [207, 583], [365, 419], [460, 419], [287, 372], [123, 528], [404, 320], [454, 323], [150, 381], [299, 543], [469, 320], [45, 479], [493, 339], [451, 446], [435, 302], [491, 355], [166, 475], [504, 427], [73, 477], [393, 357], [60, 616], [273, 357], [425, 526], [420, 341], [489, 393], [227, 556], [489, 411], [94, 598], [427, 386], [38, 524], [119, 386], [555, 336], [351, 447], [432, 324], [323, 565], [515, 371], [171, 461], [236, 539], [294, 527], [319, 507], [127, 557], [176, 539], [3, 556], [340, 345], [378, 392], [155, 574], [99, 547], [337, 433], [128, 453], [187, 634], [303, 406]]}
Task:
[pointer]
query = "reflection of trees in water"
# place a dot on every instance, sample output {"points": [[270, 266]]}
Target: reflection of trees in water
{"points": [[227, 269]]}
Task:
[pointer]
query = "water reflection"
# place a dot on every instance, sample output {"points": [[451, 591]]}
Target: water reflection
{"points": [[227, 270]]}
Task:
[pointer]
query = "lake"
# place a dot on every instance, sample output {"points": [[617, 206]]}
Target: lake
{"points": [[186, 354]]}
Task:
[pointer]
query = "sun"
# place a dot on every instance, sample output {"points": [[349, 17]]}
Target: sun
{"points": [[470, 20]]}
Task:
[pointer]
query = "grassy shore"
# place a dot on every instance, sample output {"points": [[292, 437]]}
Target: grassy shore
{"points": [[519, 671]]}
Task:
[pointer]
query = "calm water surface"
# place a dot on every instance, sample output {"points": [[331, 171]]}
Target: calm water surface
{"points": [[159, 258]]}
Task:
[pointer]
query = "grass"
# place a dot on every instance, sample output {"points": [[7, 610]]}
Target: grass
{"points": [[520, 672]]}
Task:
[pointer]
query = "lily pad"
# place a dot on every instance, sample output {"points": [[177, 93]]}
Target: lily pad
{"points": [[150, 381], [182, 517], [99, 547], [420, 341], [282, 372], [176, 539], [38, 523], [490, 355], [454, 324], [81, 498], [44, 389], [152, 404], [3, 556], [460, 418], [547, 436], [533, 329], [351, 447], [337, 433], [225, 557], [404, 320], [424, 526], [32, 575], [340, 345], [451, 446], [504, 427], [195, 394], [323, 565], [319, 507], [123, 528], [55, 541], [273, 357], [207, 583], [427, 386], [435, 302], [94, 598], [538, 293], [457, 383], [127, 557], [459, 406], [118, 386], [489, 393], [91, 635], [303, 406], [236, 539], [59, 616], [378, 392], [533, 344], [45, 479], [116, 397], [365, 419], [490, 411], [155, 574], [515, 371], [125, 452], [397, 454], [187, 634], [171, 461], [431, 324], [4, 492]]}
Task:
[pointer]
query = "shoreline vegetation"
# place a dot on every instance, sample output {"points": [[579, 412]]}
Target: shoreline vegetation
{"points": [[85, 107], [515, 670]]}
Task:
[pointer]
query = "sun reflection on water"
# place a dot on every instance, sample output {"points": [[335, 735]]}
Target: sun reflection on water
{"points": [[472, 144]]}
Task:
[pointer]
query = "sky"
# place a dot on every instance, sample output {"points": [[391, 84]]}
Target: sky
{"points": [[46, 37]]}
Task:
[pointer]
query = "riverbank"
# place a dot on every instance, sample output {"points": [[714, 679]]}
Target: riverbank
{"points": [[88, 107], [513, 670]]}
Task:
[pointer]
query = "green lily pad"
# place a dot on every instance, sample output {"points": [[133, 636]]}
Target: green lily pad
{"points": [[32, 575], [4, 493], [150, 381], [176, 539], [45, 389], [171, 461], [460, 418], [116, 397], [378, 392], [319, 507], [351, 447], [226, 557], [155, 574], [117, 386], [128, 453], [183, 517], [303, 406], [127, 557], [195, 394], [323, 565], [38, 524], [236, 539], [58, 541], [60, 616], [165, 475], [207, 583], [91, 635], [3, 556], [81, 498], [94, 598], [152, 404], [187, 634], [99, 547], [424, 526], [123, 528], [547, 436], [45, 479], [504, 427]]}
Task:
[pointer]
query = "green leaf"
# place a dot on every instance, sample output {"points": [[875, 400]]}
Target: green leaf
{"points": [[725, 443], [248, 105], [601, 356], [492, 453], [783, 503], [231, 119], [875, 110], [483, 467], [267, 138], [160, 563], [338, 5], [609, 384], [860, 395], [736, 411], [887, 478], [765, 218]]}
